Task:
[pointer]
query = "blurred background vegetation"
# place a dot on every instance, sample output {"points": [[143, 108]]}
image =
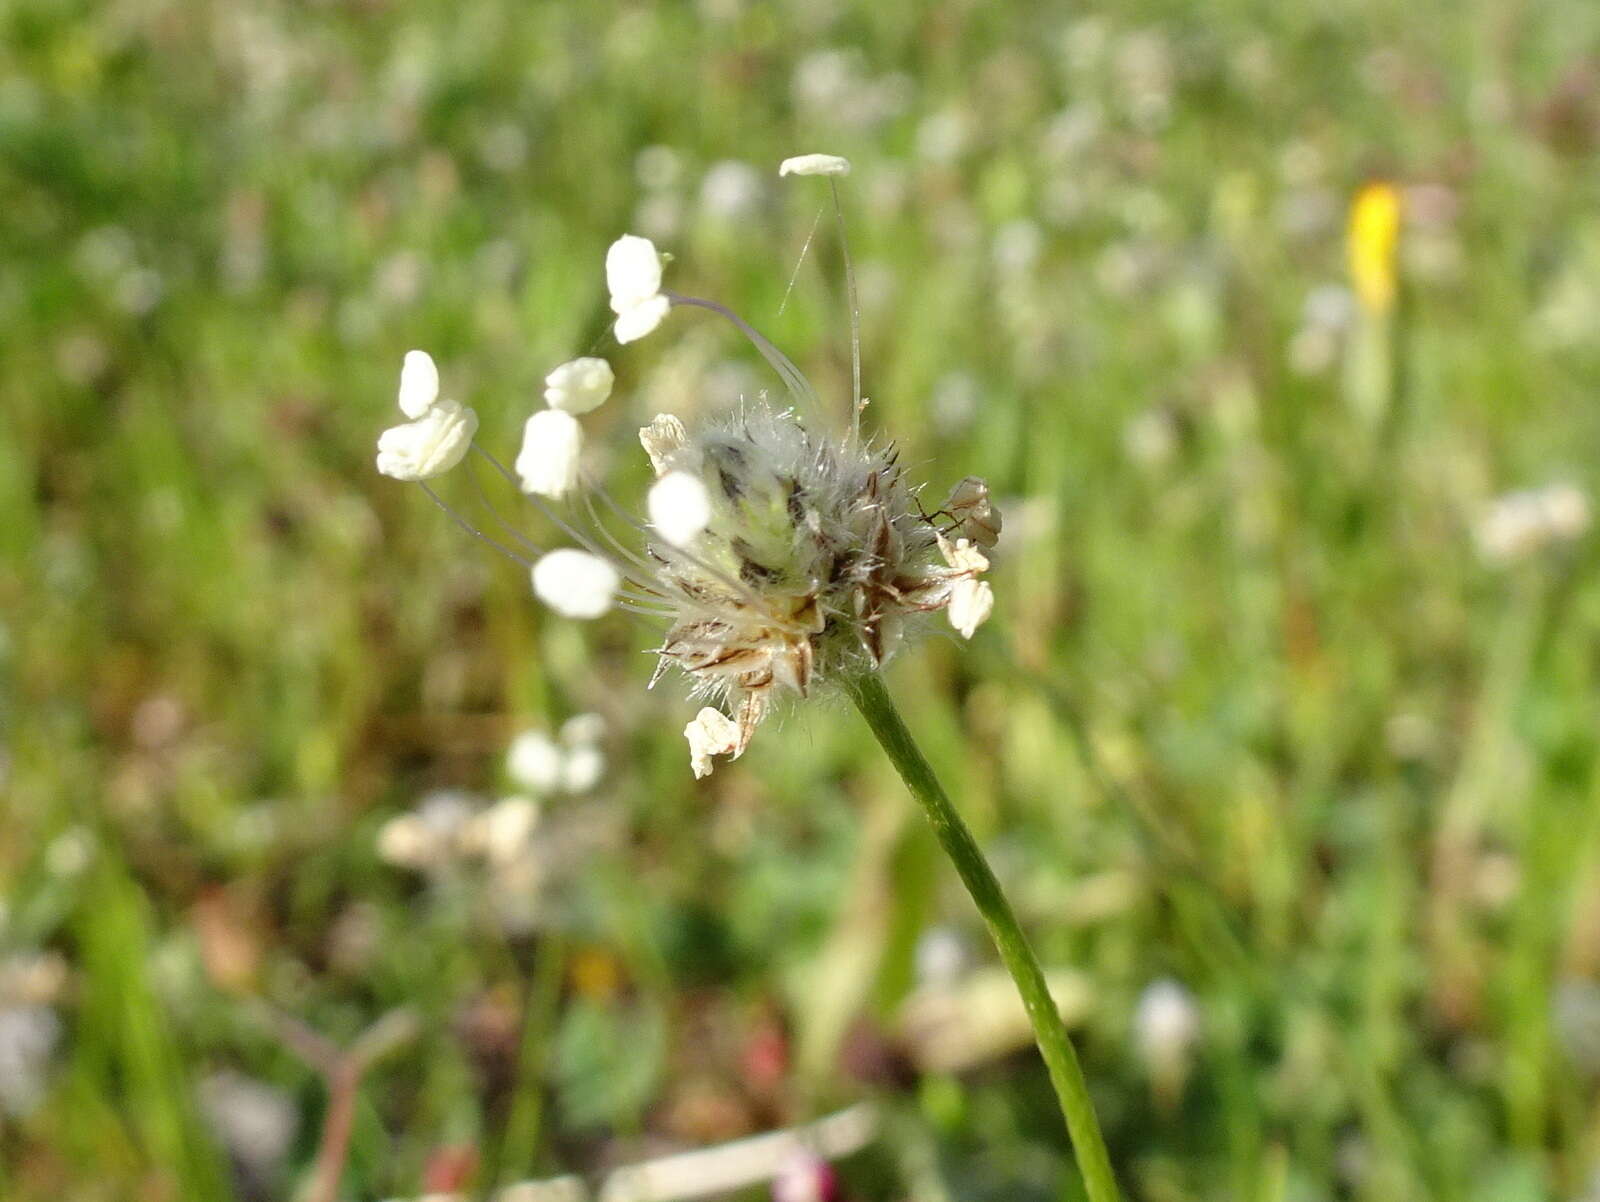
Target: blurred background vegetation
{"points": [[1283, 736]]}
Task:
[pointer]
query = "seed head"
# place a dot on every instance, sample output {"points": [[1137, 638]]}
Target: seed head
{"points": [[813, 557], [781, 553]]}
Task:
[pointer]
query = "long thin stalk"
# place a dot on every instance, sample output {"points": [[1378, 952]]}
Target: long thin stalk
{"points": [[1088, 1145]]}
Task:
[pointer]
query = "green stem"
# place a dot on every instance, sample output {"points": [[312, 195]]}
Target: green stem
{"points": [[876, 706]]}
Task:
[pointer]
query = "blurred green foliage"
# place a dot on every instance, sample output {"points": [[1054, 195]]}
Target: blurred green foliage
{"points": [[1253, 713]]}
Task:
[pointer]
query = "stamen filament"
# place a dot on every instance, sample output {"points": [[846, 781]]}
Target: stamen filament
{"points": [[781, 363], [855, 315], [473, 530], [571, 531]]}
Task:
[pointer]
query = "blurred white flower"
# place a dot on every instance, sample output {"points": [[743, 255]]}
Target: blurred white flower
{"points": [[575, 583], [1575, 1014], [1150, 438], [633, 277], [941, 958], [571, 763], [583, 728], [710, 733], [582, 768], [1521, 524], [419, 384], [943, 136], [1166, 1027], [28, 1037], [406, 841], [69, 852], [534, 761], [657, 167], [680, 507], [547, 464], [579, 385], [429, 446], [815, 164], [731, 190], [500, 833], [255, 1121], [428, 836]]}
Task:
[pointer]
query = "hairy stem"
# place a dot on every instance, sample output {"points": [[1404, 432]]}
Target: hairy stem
{"points": [[1089, 1146]]}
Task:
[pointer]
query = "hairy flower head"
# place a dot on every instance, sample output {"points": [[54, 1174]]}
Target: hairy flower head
{"points": [[814, 556], [781, 551]]}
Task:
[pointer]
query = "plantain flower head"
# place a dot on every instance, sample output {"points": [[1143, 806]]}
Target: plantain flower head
{"points": [[812, 557], [783, 549]]}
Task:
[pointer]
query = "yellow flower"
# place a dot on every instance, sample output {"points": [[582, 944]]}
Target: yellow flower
{"points": [[1373, 237]]}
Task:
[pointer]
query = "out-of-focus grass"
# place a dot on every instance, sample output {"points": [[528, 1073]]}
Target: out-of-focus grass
{"points": [[1251, 714]]}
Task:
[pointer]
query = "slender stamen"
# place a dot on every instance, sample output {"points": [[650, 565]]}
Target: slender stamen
{"points": [[781, 363], [571, 531], [855, 315], [483, 499], [739, 590], [473, 530], [590, 491], [800, 262]]}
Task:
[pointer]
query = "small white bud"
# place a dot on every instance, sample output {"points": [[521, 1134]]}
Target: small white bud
{"points": [[581, 729], [971, 602], [633, 277], [815, 164], [404, 841], [547, 464], [419, 384], [680, 507], [429, 446], [1520, 524], [664, 440], [1566, 511], [582, 768], [711, 733], [579, 386], [534, 761], [501, 833], [1166, 1023], [575, 583]]}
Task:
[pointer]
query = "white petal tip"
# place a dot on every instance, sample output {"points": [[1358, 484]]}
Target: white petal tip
{"points": [[680, 507], [419, 384], [712, 733], [579, 386], [547, 464], [815, 164], [575, 583], [429, 446], [640, 318]]}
